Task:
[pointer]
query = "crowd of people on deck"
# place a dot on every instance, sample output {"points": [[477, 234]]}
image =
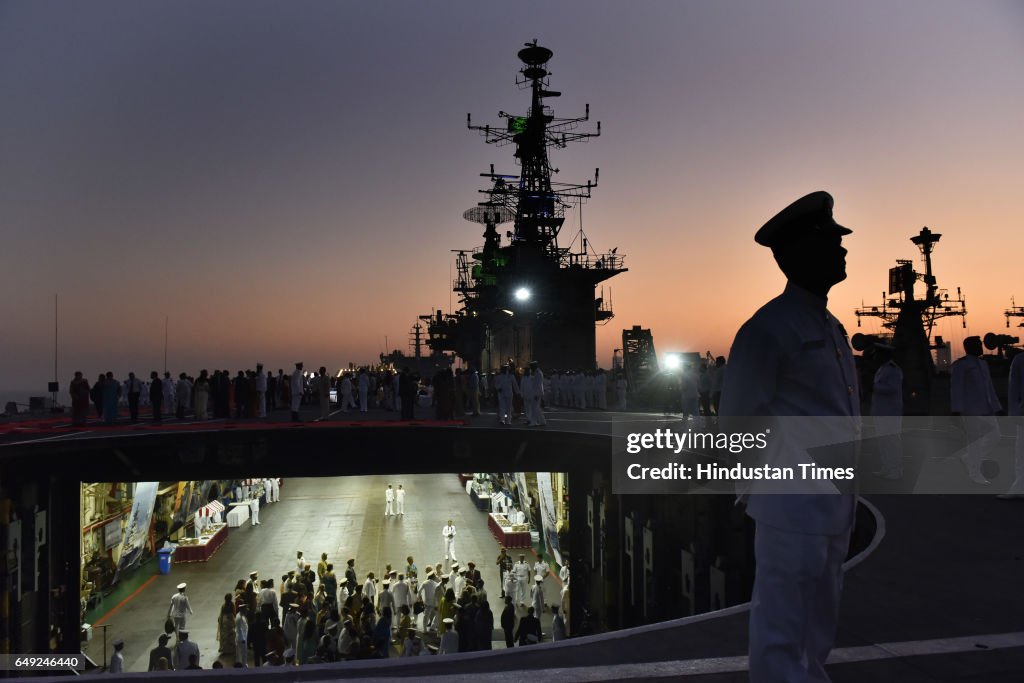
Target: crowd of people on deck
{"points": [[448, 394]]}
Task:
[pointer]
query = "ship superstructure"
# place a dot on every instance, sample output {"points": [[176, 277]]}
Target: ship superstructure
{"points": [[909, 322], [527, 295]]}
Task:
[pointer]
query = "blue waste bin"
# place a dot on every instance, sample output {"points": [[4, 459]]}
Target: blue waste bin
{"points": [[164, 555]]}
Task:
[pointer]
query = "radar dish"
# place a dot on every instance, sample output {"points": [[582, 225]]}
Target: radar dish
{"points": [[489, 214], [535, 55]]}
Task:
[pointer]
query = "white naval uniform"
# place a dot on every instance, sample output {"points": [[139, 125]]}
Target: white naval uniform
{"points": [[403, 596], [505, 385], [1015, 407], [973, 396], [427, 593], [179, 603], [400, 501], [296, 390], [345, 397], [448, 535], [522, 572], [537, 598], [389, 499], [887, 415], [254, 510], [792, 359]]}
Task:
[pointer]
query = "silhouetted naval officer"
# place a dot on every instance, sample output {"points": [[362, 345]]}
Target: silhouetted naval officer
{"points": [[792, 358]]}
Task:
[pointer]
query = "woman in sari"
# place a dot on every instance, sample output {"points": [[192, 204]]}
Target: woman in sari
{"points": [[446, 610], [226, 626]]}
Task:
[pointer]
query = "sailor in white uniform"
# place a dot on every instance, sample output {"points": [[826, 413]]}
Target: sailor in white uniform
{"points": [[254, 510], [1015, 408], [400, 501], [974, 398], [389, 500], [887, 412], [448, 534], [505, 385], [792, 359], [523, 580], [296, 392], [535, 379], [179, 605]]}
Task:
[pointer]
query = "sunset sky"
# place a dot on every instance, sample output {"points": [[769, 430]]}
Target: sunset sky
{"points": [[285, 180]]}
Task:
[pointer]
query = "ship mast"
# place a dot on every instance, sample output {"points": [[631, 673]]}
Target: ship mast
{"points": [[526, 297]]}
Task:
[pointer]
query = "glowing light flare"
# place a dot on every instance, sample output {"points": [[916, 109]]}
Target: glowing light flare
{"points": [[522, 294]]}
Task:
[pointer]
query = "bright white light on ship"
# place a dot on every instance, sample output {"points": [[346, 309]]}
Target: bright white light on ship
{"points": [[522, 294], [673, 361]]}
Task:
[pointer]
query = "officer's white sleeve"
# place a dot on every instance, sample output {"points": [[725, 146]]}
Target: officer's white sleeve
{"points": [[750, 384]]}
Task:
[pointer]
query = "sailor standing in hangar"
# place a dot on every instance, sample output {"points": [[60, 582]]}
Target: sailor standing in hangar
{"points": [[505, 384], [792, 359], [389, 499], [179, 604], [448, 534]]}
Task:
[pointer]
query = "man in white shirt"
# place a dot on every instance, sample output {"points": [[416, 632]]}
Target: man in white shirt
{"points": [[427, 594], [522, 571], [974, 398], [261, 390], [403, 596], [389, 499], [792, 359], [448, 535], [400, 500], [450, 639], [179, 605], [296, 388]]}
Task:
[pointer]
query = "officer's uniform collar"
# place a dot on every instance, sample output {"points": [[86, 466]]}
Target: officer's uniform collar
{"points": [[795, 291]]}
